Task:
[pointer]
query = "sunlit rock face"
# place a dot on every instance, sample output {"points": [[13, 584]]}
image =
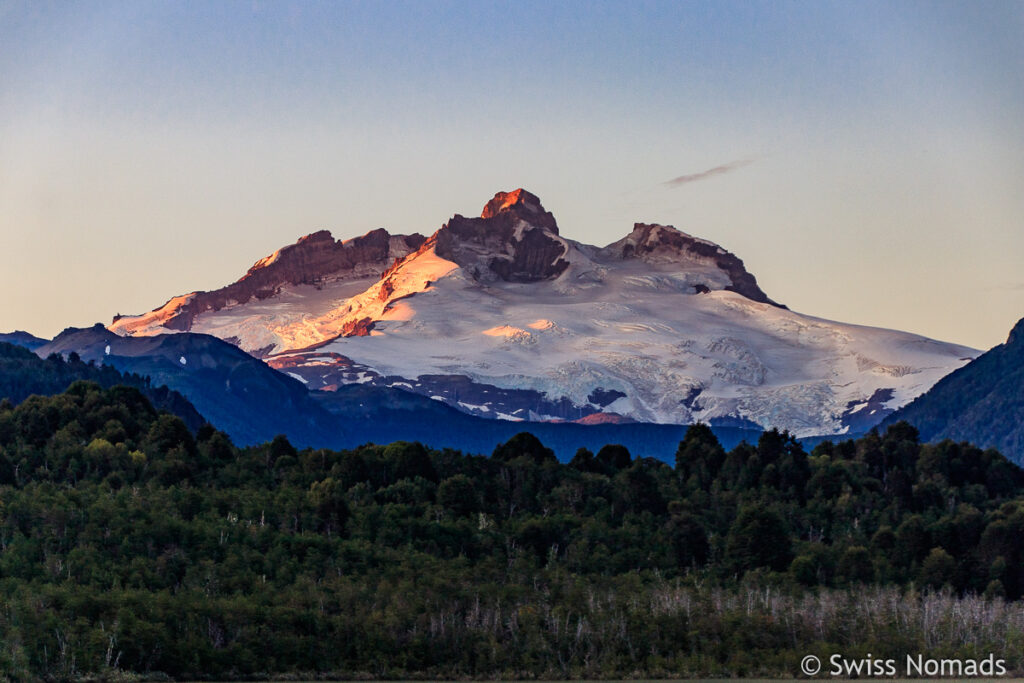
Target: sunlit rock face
{"points": [[514, 239], [502, 316], [316, 261]]}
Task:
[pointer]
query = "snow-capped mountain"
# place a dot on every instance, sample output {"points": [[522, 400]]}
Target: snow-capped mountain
{"points": [[501, 316]]}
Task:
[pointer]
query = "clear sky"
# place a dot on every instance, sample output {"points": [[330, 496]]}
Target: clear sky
{"points": [[866, 158]]}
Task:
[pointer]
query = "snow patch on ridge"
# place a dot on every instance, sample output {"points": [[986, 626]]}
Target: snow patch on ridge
{"points": [[508, 332], [153, 322], [412, 276], [267, 260]]}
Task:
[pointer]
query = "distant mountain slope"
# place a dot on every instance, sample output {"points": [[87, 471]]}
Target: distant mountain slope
{"points": [[23, 339], [23, 373], [982, 402], [252, 402], [383, 415], [502, 316], [236, 392]]}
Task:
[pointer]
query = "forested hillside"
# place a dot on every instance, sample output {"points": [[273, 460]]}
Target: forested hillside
{"points": [[128, 544], [23, 373], [982, 402]]}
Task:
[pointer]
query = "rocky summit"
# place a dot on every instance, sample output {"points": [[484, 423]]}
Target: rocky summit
{"points": [[514, 239]]}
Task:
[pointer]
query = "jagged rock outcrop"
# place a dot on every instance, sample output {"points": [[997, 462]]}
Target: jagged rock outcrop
{"points": [[525, 205], [664, 243], [313, 260], [514, 239], [318, 256]]}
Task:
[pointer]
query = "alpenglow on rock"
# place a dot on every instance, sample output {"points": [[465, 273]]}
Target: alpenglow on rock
{"points": [[502, 316]]}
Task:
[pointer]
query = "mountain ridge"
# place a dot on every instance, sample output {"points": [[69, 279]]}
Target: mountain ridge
{"points": [[23, 339], [982, 402], [311, 260], [253, 403], [234, 391], [23, 373]]}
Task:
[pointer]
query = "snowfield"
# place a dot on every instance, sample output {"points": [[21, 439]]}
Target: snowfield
{"points": [[641, 336]]}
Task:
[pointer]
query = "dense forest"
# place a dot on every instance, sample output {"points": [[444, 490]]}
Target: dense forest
{"points": [[23, 373], [131, 546]]}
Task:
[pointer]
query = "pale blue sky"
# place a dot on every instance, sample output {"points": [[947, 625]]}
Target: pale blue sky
{"points": [[148, 149]]}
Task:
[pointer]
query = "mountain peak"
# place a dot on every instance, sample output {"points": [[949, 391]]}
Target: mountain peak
{"points": [[523, 205], [318, 236], [1016, 334], [663, 243], [514, 239], [504, 201], [653, 237]]}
